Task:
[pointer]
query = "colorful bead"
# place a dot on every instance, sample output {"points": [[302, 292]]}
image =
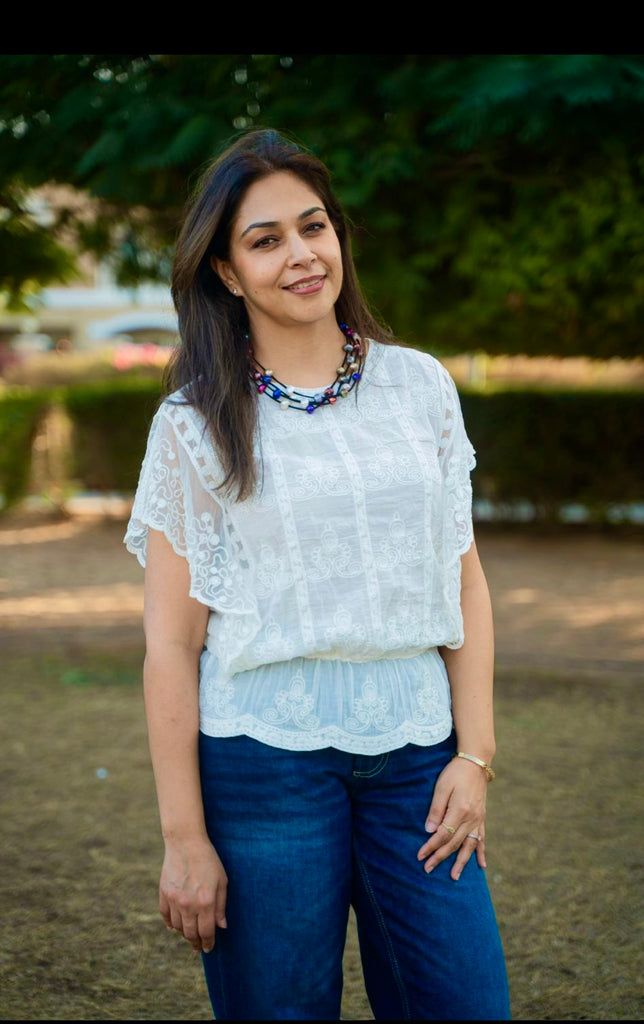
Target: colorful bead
{"points": [[289, 397]]}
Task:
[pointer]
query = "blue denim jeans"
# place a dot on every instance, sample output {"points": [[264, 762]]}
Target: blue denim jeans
{"points": [[303, 836]]}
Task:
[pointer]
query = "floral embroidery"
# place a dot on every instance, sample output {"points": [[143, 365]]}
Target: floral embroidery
{"points": [[400, 546], [370, 710], [332, 557], [272, 645], [343, 630], [429, 707], [294, 705], [405, 624], [220, 699], [273, 572]]}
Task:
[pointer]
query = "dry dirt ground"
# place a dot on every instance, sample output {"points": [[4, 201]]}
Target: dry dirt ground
{"points": [[568, 602], [82, 939]]}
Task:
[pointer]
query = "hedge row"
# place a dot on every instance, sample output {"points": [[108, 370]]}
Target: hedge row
{"points": [[110, 427], [544, 447], [21, 412], [553, 447]]}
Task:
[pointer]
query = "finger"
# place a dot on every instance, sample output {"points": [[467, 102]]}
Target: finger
{"points": [[444, 834], [206, 926], [435, 814], [447, 839], [220, 907], [477, 837], [213, 919], [164, 910], [190, 932], [175, 920], [468, 847], [480, 850]]}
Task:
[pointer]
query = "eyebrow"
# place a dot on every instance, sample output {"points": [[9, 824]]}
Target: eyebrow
{"points": [[274, 223]]}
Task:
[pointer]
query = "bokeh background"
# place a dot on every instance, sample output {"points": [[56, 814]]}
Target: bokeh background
{"points": [[498, 210], [497, 204]]}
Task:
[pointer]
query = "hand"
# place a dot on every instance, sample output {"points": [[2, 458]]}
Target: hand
{"points": [[457, 809], [192, 892]]}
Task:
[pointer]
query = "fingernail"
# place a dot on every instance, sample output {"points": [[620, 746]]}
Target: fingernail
{"points": [[430, 827]]}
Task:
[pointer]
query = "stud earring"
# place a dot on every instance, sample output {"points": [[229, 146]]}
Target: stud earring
{"points": [[234, 291]]}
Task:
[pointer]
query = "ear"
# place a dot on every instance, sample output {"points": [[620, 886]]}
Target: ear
{"points": [[224, 272]]}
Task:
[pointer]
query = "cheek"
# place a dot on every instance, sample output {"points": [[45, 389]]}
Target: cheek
{"points": [[338, 269], [254, 279], [337, 259]]}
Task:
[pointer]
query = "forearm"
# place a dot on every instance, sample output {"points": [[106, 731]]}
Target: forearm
{"points": [[459, 798], [170, 680], [470, 668]]}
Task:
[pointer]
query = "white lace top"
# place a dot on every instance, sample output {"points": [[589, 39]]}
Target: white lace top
{"points": [[330, 590]]}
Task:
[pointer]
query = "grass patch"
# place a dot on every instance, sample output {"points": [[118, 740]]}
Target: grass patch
{"points": [[82, 939]]}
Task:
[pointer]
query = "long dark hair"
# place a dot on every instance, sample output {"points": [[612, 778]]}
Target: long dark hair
{"points": [[210, 363]]}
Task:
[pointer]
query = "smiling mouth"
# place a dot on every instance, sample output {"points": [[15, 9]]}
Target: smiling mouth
{"points": [[306, 283]]}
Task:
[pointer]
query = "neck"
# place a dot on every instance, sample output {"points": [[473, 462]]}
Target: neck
{"points": [[307, 354]]}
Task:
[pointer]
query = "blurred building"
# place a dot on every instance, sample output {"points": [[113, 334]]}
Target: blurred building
{"points": [[93, 312], [81, 318]]}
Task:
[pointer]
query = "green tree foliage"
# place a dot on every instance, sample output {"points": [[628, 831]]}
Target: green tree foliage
{"points": [[497, 199]]}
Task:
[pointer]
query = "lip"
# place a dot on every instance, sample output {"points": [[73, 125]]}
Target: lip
{"points": [[306, 285]]}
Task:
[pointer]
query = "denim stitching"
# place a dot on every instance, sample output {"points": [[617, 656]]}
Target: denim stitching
{"points": [[391, 956], [382, 763]]}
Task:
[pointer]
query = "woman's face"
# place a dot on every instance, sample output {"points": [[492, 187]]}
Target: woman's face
{"points": [[285, 259]]}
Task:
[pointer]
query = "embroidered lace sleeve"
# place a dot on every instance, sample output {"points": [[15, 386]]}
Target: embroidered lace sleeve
{"points": [[457, 458], [172, 496]]}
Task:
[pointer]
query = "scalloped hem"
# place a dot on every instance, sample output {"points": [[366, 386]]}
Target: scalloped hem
{"points": [[331, 736]]}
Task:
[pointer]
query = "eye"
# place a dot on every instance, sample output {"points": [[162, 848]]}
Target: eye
{"points": [[262, 243], [315, 227]]}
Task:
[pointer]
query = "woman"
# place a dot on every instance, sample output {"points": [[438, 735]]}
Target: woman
{"points": [[319, 644]]}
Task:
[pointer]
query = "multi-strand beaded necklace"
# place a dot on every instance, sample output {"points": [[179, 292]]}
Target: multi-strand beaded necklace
{"points": [[289, 397]]}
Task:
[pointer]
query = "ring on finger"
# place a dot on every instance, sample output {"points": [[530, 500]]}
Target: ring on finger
{"points": [[473, 835], [449, 828]]}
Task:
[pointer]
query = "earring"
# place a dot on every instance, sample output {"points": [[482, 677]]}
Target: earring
{"points": [[234, 291]]}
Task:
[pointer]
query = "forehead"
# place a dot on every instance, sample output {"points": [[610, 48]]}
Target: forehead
{"points": [[279, 196]]}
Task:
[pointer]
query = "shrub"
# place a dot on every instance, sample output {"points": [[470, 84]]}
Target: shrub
{"points": [[21, 410], [554, 447], [110, 426]]}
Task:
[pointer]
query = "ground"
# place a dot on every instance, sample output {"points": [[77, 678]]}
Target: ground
{"points": [[82, 937]]}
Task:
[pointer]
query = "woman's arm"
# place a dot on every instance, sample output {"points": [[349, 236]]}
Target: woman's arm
{"points": [[192, 889], [471, 667], [459, 798]]}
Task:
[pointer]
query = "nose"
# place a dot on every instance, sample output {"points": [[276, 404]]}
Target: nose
{"points": [[300, 252]]}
